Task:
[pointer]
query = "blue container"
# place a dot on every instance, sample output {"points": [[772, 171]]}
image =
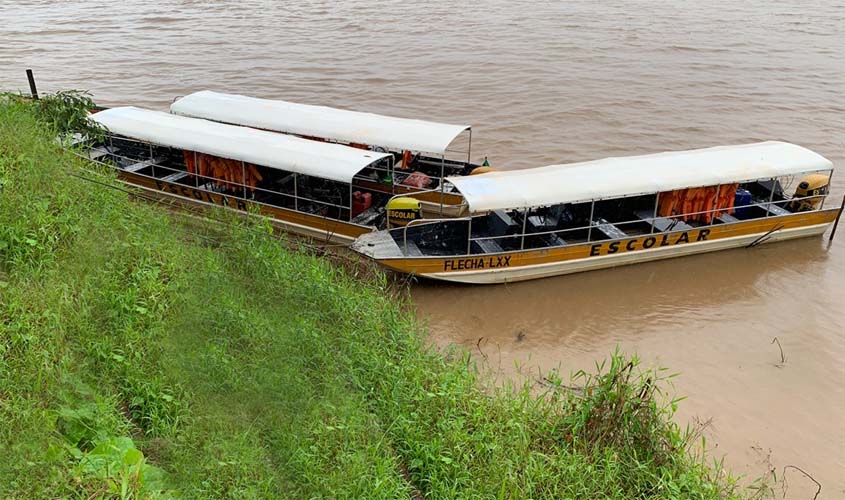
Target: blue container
{"points": [[743, 197]]}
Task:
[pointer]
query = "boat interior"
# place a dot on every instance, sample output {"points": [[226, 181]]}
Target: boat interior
{"points": [[579, 223], [363, 202]]}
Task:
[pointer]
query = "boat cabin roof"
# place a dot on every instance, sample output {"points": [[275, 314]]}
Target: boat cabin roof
{"points": [[635, 175], [320, 121], [268, 149]]}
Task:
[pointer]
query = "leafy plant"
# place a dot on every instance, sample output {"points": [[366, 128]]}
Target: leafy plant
{"points": [[115, 468], [79, 427], [67, 112]]}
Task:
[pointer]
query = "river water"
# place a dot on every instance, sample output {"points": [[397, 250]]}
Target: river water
{"points": [[549, 82]]}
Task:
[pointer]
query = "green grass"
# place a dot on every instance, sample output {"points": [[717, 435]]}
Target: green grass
{"points": [[145, 355]]}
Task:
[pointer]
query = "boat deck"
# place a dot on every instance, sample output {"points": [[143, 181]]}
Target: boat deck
{"points": [[381, 245]]}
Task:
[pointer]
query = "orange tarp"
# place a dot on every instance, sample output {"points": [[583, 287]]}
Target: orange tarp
{"points": [[699, 204], [230, 174]]}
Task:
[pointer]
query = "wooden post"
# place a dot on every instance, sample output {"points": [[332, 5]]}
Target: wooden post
{"points": [[836, 222], [32, 89]]}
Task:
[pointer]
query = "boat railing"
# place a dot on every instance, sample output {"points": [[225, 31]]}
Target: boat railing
{"points": [[719, 216], [298, 200], [419, 222], [149, 150]]}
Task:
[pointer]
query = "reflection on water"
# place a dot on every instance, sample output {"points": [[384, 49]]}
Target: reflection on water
{"points": [[549, 83]]}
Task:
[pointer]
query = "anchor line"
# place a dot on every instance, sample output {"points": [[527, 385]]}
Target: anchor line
{"points": [[764, 237]]}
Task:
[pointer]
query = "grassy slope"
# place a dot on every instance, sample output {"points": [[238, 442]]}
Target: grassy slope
{"points": [[245, 370]]}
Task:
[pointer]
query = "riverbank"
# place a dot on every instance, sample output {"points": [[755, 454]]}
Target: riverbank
{"points": [[144, 353]]}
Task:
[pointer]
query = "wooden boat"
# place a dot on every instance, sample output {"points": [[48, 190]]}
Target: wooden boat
{"points": [[309, 180], [564, 219]]}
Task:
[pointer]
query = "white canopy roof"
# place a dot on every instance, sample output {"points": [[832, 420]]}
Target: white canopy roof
{"points": [[635, 175], [320, 121], [268, 149]]}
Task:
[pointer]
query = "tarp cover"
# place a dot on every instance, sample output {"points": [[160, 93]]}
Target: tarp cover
{"points": [[268, 149], [320, 121], [635, 175]]}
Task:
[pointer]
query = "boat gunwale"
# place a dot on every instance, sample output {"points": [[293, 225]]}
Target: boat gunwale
{"points": [[125, 177], [406, 190], [588, 243], [570, 266]]}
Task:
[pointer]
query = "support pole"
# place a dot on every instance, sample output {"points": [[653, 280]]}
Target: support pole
{"points": [[442, 180], [771, 197], [243, 177], [391, 170], [836, 222], [716, 209], [653, 216], [469, 147], [524, 225], [32, 89], [469, 235], [829, 183]]}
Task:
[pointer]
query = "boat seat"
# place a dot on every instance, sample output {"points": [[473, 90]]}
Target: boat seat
{"points": [[410, 249], [501, 223], [142, 164], [667, 224], [609, 229], [367, 216], [555, 240], [97, 153], [727, 218], [537, 224], [776, 210], [284, 180], [174, 177], [486, 246], [664, 223]]}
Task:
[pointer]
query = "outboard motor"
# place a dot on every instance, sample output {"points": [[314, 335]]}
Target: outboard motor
{"points": [[402, 210], [811, 185]]}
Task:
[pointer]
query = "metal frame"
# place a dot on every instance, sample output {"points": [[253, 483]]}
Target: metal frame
{"points": [[715, 210], [236, 185]]}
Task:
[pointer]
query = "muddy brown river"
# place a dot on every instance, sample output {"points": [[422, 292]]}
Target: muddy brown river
{"points": [[550, 82]]}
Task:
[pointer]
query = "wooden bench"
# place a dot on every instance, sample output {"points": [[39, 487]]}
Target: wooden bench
{"points": [[502, 224], [141, 165], [662, 224], [609, 229], [97, 153], [486, 246], [555, 240], [367, 216], [776, 210], [409, 248], [175, 177]]}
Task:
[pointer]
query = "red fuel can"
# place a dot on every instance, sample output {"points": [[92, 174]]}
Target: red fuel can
{"points": [[361, 202]]}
